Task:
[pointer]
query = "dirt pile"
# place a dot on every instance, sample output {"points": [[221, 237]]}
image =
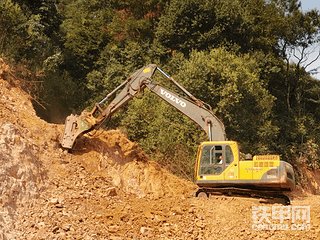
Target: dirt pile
{"points": [[112, 154], [35, 174], [107, 188], [311, 180]]}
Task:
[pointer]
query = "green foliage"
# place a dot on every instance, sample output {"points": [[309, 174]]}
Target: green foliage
{"points": [[115, 65], [251, 24], [297, 107], [84, 27], [26, 45], [105, 41], [135, 20], [233, 87], [62, 92], [303, 156], [199, 24], [12, 27], [85, 35]]}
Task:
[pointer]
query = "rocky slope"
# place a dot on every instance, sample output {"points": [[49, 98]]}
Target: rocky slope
{"points": [[107, 188]]}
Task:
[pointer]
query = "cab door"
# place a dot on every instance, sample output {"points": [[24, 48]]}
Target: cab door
{"points": [[219, 161], [211, 162], [231, 162]]}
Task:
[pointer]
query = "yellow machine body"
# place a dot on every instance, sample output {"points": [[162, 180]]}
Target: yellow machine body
{"points": [[219, 165]]}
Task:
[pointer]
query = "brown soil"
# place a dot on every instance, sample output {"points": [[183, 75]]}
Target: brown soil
{"points": [[107, 188]]}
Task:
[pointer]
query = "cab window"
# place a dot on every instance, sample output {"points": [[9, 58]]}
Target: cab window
{"points": [[210, 160], [229, 155], [214, 159], [205, 154]]}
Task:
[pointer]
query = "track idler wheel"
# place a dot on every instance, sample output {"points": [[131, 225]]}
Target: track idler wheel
{"points": [[202, 194]]}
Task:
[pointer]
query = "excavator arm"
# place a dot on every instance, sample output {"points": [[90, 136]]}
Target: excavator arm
{"points": [[193, 108]]}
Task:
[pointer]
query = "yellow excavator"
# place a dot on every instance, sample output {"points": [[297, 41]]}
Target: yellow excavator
{"points": [[219, 167]]}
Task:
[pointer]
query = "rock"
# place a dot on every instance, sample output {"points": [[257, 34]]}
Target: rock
{"points": [[159, 218], [145, 230], [66, 227], [200, 224], [54, 201], [111, 192], [191, 210], [41, 224], [76, 200], [59, 205], [113, 229], [177, 210]]}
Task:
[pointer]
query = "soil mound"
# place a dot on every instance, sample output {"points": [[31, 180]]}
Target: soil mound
{"points": [[110, 153]]}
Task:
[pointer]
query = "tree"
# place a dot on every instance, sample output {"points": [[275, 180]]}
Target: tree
{"points": [[12, 27], [251, 25], [50, 19], [192, 24], [232, 85], [292, 85]]}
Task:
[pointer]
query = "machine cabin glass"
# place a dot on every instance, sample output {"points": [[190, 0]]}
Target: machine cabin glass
{"points": [[215, 159]]}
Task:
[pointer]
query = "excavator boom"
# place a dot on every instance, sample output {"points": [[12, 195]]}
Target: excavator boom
{"points": [[193, 108]]}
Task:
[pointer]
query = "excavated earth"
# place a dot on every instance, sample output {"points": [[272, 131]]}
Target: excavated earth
{"points": [[107, 188]]}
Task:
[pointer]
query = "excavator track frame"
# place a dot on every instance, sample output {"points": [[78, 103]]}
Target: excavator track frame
{"points": [[254, 193]]}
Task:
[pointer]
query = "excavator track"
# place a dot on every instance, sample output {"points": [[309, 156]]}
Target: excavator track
{"points": [[232, 191]]}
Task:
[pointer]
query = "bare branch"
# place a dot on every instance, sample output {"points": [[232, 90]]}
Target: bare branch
{"points": [[314, 60]]}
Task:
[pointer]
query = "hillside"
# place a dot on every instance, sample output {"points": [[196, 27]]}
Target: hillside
{"points": [[107, 188]]}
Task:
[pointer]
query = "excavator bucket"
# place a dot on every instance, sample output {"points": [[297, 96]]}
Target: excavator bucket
{"points": [[76, 125]]}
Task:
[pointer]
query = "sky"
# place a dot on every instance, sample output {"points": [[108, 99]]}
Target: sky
{"points": [[308, 5]]}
